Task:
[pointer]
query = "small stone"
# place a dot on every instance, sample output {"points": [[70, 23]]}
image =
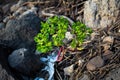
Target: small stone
{"points": [[68, 35], [94, 63], [107, 54], [109, 39], [14, 8], [106, 46], [80, 62], [119, 30], [68, 70], [85, 77], [94, 35]]}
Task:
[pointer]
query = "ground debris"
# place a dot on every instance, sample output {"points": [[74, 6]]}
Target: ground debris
{"points": [[102, 45]]}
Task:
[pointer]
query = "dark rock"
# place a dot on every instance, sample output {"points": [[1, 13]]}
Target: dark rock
{"points": [[6, 73], [95, 62], [113, 75], [20, 32], [25, 62]]}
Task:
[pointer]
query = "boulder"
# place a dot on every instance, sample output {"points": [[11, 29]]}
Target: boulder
{"points": [[101, 13], [19, 32]]}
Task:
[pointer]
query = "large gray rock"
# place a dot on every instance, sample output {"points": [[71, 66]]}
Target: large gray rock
{"points": [[25, 62], [101, 13], [20, 32]]}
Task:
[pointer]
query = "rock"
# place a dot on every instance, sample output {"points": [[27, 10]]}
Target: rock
{"points": [[25, 62], [94, 63], [108, 39], [106, 46], [94, 35], [101, 13], [113, 75], [68, 70], [2, 25], [68, 35], [80, 62], [4, 75], [20, 32], [85, 77], [107, 54]]}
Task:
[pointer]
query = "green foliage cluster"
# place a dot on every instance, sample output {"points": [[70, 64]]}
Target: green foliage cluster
{"points": [[53, 32], [81, 32]]}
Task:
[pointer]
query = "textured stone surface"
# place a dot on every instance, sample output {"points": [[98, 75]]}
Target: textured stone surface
{"points": [[113, 75], [5, 71], [20, 32], [101, 13], [4, 75], [95, 62], [68, 70], [25, 62]]}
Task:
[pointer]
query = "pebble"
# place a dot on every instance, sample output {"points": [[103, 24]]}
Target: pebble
{"points": [[68, 35], [94, 63], [109, 39], [68, 70], [107, 54]]}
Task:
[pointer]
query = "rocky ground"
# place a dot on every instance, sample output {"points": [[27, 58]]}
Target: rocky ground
{"points": [[20, 22]]}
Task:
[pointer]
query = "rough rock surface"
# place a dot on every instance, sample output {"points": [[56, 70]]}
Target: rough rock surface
{"points": [[94, 63], [5, 71], [113, 75], [4, 75], [20, 32], [25, 62], [101, 13]]}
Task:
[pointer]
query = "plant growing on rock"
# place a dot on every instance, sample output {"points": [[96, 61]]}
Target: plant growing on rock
{"points": [[53, 32]]}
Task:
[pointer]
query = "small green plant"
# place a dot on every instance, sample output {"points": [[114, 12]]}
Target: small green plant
{"points": [[53, 32], [81, 32]]}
